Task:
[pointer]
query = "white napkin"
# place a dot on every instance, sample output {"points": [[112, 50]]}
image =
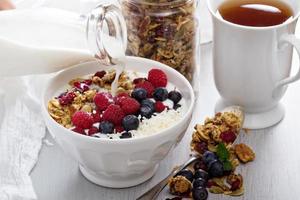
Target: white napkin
{"points": [[21, 133], [21, 124]]}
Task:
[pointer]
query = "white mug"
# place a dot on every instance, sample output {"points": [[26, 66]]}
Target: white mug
{"points": [[252, 65]]}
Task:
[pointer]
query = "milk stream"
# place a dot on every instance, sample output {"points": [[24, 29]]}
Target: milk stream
{"points": [[116, 51]]}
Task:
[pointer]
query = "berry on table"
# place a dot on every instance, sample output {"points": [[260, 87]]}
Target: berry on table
{"points": [[160, 94], [158, 78], [82, 119], [106, 127], [139, 94], [208, 157], [113, 114], [103, 100], [199, 173], [199, 193], [228, 136], [130, 122], [200, 165], [175, 96], [199, 182], [188, 174], [216, 169]]}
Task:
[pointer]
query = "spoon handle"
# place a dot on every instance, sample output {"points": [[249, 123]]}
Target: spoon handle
{"points": [[156, 189]]}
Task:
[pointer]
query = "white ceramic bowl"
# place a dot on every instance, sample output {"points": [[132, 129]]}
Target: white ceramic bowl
{"points": [[125, 162]]}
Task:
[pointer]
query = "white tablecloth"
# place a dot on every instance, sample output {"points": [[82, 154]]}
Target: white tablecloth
{"points": [[21, 124]]}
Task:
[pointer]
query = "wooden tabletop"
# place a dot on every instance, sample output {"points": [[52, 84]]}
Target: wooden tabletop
{"points": [[274, 175]]}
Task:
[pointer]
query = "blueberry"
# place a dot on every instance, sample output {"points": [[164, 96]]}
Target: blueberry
{"points": [[216, 169], [160, 94], [139, 94], [126, 135], [106, 127], [130, 122], [208, 157], [199, 182], [175, 96], [199, 193], [201, 174], [146, 111], [149, 103], [187, 174]]}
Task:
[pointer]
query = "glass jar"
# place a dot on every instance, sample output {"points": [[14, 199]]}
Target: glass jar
{"points": [[165, 31]]}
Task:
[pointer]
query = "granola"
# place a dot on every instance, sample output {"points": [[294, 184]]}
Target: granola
{"points": [[164, 31], [179, 185], [244, 153], [219, 157], [224, 127]]}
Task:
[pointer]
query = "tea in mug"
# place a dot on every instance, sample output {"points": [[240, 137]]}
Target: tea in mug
{"points": [[257, 13]]}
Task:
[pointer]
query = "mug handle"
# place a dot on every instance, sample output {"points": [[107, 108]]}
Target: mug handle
{"points": [[295, 42], [111, 16]]}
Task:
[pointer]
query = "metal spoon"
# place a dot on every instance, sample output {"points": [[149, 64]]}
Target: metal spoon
{"points": [[155, 190]]}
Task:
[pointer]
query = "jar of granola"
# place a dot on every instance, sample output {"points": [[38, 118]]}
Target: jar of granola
{"points": [[165, 31]]}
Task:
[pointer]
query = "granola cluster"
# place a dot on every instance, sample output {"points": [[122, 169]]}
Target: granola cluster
{"points": [[164, 31], [180, 185], [224, 127]]}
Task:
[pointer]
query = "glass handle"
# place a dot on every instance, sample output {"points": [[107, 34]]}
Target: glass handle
{"points": [[106, 33]]}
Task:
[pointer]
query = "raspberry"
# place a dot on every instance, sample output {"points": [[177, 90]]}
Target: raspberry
{"points": [[159, 106], [79, 130], [119, 97], [235, 185], [82, 119], [201, 147], [158, 78], [147, 86], [119, 129], [113, 114], [228, 136], [93, 130], [88, 81], [66, 99], [81, 86], [129, 105], [103, 100], [97, 117]]}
